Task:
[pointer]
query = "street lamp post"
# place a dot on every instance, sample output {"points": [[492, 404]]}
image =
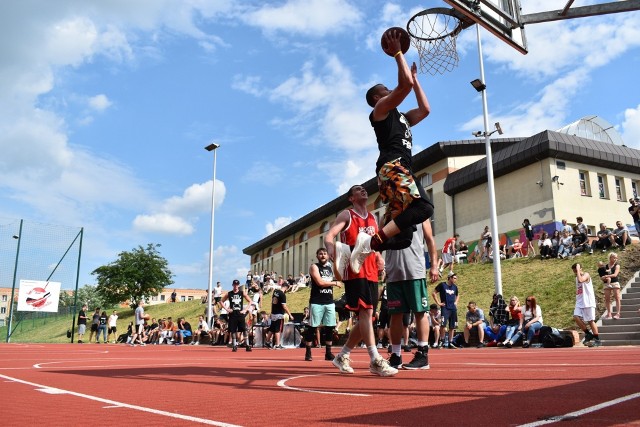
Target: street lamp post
{"points": [[15, 275], [211, 147]]}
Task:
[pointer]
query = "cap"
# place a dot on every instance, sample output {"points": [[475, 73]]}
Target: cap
{"points": [[451, 274], [236, 282]]}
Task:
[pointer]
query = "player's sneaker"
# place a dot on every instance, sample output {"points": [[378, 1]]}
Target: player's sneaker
{"points": [[420, 361], [343, 254], [395, 361], [588, 336], [361, 251], [343, 363], [249, 348], [595, 343], [381, 367], [234, 348], [307, 355], [329, 356]]}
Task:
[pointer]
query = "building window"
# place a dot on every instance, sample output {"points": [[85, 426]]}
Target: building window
{"points": [[619, 189], [183, 298], [634, 189], [583, 176], [190, 298], [304, 236], [285, 245], [162, 298], [561, 165], [602, 187], [154, 298], [4, 298], [425, 180], [3, 310]]}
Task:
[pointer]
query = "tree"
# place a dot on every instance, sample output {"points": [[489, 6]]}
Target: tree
{"points": [[134, 276], [86, 295]]}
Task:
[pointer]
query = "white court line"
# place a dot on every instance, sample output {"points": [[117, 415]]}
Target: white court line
{"points": [[53, 390], [147, 365], [584, 411], [283, 384]]}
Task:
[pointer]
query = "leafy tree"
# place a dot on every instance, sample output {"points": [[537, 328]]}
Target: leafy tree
{"points": [[134, 276], [89, 295]]}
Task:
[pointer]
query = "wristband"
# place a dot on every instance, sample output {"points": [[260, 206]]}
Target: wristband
{"points": [[397, 53]]}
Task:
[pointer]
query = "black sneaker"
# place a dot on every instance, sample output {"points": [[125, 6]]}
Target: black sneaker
{"points": [[234, 348], [595, 343], [406, 348], [307, 355], [249, 348], [279, 347], [481, 345], [588, 336], [329, 356], [395, 361], [420, 361], [452, 346]]}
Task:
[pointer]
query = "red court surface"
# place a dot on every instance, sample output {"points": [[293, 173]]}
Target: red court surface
{"points": [[72, 385]]}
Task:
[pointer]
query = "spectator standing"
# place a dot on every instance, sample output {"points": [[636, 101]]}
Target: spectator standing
{"points": [[174, 296], [138, 332], [614, 282], [446, 296], [237, 321], [474, 319], [278, 309], [528, 232], [634, 211], [82, 323], [217, 293], [485, 244], [113, 328], [448, 252], [95, 321], [531, 321], [102, 328], [585, 312], [321, 306]]}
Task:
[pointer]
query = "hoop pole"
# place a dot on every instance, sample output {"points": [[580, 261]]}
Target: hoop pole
{"points": [[497, 271], [13, 287]]}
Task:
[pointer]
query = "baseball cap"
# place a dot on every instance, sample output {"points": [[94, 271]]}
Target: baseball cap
{"points": [[236, 282], [451, 274]]}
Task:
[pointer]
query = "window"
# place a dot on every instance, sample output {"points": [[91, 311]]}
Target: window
{"points": [[190, 297], [561, 165], [583, 177], [4, 298], [634, 189], [154, 298], [285, 245], [425, 180], [602, 187], [162, 297], [325, 227], [304, 236], [183, 298], [620, 189], [3, 310]]}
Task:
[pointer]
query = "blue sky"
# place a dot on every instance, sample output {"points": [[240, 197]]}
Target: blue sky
{"points": [[106, 107]]}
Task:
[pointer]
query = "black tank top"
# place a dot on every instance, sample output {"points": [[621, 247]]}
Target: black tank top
{"points": [[235, 300], [322, 295], [394, 138]]}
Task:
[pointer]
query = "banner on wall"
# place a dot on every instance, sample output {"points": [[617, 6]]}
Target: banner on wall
{"points": [[36, 295]]}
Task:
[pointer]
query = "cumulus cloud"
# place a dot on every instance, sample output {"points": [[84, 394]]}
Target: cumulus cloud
{"points": [[631, 127], [277, 224], [99, 102], [162, 223]]}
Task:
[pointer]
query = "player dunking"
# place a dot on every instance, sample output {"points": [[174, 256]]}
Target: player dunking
{"points": [[407, 202], [361, 288]]}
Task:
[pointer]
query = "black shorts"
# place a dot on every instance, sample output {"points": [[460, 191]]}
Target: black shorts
{"points": [[383, 319], [276, 326], [237, 323], [360, 293], [217, 299], [113, 330], [449, 318], [94, 327]]}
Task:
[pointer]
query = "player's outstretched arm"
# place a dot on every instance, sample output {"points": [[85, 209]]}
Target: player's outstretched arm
{"points": [[416, 115]]}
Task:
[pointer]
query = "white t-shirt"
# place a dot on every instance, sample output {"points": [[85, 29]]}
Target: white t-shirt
{"points": [[526, 313], [112, 320], [585, 296], [217, 292]]}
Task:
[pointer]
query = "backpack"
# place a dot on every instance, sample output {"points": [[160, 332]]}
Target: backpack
{"points": [[552, 338]]}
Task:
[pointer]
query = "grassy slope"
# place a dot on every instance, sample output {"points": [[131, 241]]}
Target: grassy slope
{"points": [[551, 281]]}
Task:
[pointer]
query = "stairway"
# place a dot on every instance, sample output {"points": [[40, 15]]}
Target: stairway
{"points": [[626, 330]]}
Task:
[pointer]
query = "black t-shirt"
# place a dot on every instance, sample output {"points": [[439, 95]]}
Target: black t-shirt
{"points": [[236, 301], [102, 320], [82, 318], [96, 318], [322, 295], [394, 138], [277, 300], [636, 216]]}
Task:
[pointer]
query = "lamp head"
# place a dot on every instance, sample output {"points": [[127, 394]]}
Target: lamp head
{"points": [[478, 85], [477, 134], [212, 147], [498, 128]]}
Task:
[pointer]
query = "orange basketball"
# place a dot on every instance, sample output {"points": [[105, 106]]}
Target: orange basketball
{"points": [[405, 40], [146, 317]]}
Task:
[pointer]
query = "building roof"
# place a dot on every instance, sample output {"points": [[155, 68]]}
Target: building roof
{"points": [[435, 153], [541, 146]]}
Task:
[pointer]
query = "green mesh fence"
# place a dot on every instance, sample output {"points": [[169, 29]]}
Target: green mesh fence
{"points": [[35, 251]]}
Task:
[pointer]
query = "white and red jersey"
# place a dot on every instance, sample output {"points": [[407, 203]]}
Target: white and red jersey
{"points": [[449, 245], [348, 236]]}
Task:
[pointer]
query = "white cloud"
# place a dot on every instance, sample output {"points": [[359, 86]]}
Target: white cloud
{"points": [[162, 223], [277, 224], [264, 173], [314, 18], [631, 127], [99, 102], [248, 84]]}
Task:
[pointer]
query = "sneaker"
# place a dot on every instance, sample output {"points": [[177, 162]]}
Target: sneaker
{"points": [[381, 367], [329, 356], [80, 342], [234, 348], [343, 363], [481, 345], [307, 355], [142, 344], [525, 344], [452, 346], [361, 251], [279, 347], [267, 345], [434, 346], [343, 254], [249, 348], [406, 348], [595, 343], [420, 361], [508, 344], [196, 343], [132, 344], [395, 361], [379, 345], [588, 336]]}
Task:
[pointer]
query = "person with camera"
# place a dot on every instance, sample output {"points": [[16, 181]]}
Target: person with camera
{"points": [[634, 211]]}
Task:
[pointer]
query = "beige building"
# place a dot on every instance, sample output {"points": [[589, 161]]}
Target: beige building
{"points": [[545, 178]]}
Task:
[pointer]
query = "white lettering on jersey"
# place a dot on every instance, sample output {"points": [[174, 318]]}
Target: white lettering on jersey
{"points": [[370, 230]]}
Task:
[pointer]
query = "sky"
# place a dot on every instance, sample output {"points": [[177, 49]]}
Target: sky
{"points": [[106, 107]]}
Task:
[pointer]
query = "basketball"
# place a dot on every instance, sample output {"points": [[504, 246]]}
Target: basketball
{"points": [[405, 40], [146, 317]]}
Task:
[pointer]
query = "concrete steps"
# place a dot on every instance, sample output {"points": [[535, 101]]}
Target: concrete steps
{"points": [[626, 330]]}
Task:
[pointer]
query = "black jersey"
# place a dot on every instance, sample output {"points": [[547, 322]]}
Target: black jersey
{"points": [[278, 298], [394, 138], [102, 320], [236, 300], [320, 294], [384, 306]]}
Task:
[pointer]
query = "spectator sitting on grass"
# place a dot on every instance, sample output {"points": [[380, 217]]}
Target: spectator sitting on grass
{"points": [[545, 247], [168, 331], [566, 245], [183, 331], [513, 324], [604, 239], [154, 331], [620, 236], [203, 329], [475, 319]]}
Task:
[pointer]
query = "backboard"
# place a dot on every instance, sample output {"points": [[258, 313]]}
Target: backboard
{"points": [[500, 17]]}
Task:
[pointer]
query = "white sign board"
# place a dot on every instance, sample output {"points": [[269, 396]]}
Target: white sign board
{"points": [[36, 295]]}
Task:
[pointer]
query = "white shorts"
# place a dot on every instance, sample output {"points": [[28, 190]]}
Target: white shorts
{"points": [[447, 258], [588, 313]]}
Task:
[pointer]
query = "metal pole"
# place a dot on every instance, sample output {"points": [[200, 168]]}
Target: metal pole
{"points": [[497, 272], [75, 301], [13, 289], [211, 147]]}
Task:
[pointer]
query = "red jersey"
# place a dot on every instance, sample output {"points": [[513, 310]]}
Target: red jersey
{"points": [[357, 224], [448, 245]]}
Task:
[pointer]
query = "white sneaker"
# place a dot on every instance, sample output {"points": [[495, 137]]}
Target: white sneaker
{"points": [[381, 367], [196, 343], [343, 253], [361, 251], [343, 363]]}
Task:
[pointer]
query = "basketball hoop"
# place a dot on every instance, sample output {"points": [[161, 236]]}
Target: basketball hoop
{"points": [[433, 33]]}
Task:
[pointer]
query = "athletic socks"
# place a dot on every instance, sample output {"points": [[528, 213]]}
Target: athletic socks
{"points": [[346, 351], [396, 349], [373, 352]]}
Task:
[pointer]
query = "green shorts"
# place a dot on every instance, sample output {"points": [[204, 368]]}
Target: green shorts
{"points": [[408, 296], [322, 314]]}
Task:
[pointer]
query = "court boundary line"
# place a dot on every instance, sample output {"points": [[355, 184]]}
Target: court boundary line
{"points": [[56, 390], [584, 411], [283, 383]]}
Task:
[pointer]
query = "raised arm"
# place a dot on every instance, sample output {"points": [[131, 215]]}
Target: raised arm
{"points": [[416, 115]]}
